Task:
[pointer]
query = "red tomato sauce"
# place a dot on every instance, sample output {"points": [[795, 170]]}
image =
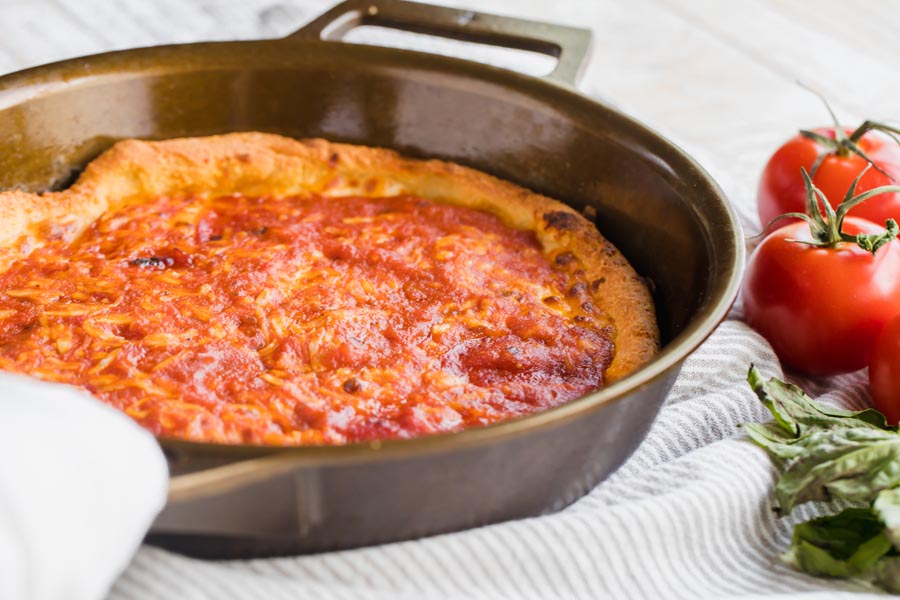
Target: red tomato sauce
{"points": [[304, 320]]}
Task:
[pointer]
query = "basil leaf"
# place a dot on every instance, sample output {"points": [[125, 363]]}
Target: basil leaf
{"points": [[831, 453], [848, 544], [850, 464], [796, 413], [771, 437]]}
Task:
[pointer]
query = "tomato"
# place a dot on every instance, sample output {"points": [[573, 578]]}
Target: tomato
{"points": [[884, 371], [781, 188], [822, 308]]}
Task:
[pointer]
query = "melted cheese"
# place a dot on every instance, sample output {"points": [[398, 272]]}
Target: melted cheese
{"points": [[304, 320]]}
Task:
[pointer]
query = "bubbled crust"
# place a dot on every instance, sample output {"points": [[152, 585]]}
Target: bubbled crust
{"points": [[266, 164]]}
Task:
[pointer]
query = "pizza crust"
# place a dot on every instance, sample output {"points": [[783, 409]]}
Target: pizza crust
{"points": [[272, 165]]}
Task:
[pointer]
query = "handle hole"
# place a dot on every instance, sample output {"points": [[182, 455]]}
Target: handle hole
{"points": [[523, 61]]}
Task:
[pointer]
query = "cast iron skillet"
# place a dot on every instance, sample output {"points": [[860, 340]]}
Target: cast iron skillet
{"points": [[651, 199]]}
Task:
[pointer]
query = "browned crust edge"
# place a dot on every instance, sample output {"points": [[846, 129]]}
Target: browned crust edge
{"points": [[267, 164]]}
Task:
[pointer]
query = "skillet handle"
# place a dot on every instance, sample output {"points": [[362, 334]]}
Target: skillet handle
{"points": [[569, 45]]}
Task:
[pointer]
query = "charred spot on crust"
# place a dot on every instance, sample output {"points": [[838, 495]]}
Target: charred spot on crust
{"points": [[564, 258], [577, 289], [595, 285], [153, 262], [167, 258], [564, 221]]}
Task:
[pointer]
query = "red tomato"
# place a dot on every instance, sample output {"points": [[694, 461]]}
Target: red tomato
{"points": [[821, 308], [884, 371], [781, 188]]}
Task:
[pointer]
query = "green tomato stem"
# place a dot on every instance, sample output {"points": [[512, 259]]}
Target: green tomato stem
{"points": [[827, 229]]}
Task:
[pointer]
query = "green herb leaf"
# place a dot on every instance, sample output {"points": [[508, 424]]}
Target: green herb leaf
{"points": [[848, 544], [773, 438], [831, 453], [797, 413], [887, 507], [853, 464]]}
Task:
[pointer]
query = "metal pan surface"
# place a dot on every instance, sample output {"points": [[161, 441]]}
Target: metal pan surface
{"points": [[651, 199]]}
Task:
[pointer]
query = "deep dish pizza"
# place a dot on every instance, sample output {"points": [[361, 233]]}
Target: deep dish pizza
{"points": [[250, 288]]}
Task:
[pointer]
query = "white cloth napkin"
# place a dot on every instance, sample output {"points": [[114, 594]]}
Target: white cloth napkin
{"points": [[79, 485]]}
